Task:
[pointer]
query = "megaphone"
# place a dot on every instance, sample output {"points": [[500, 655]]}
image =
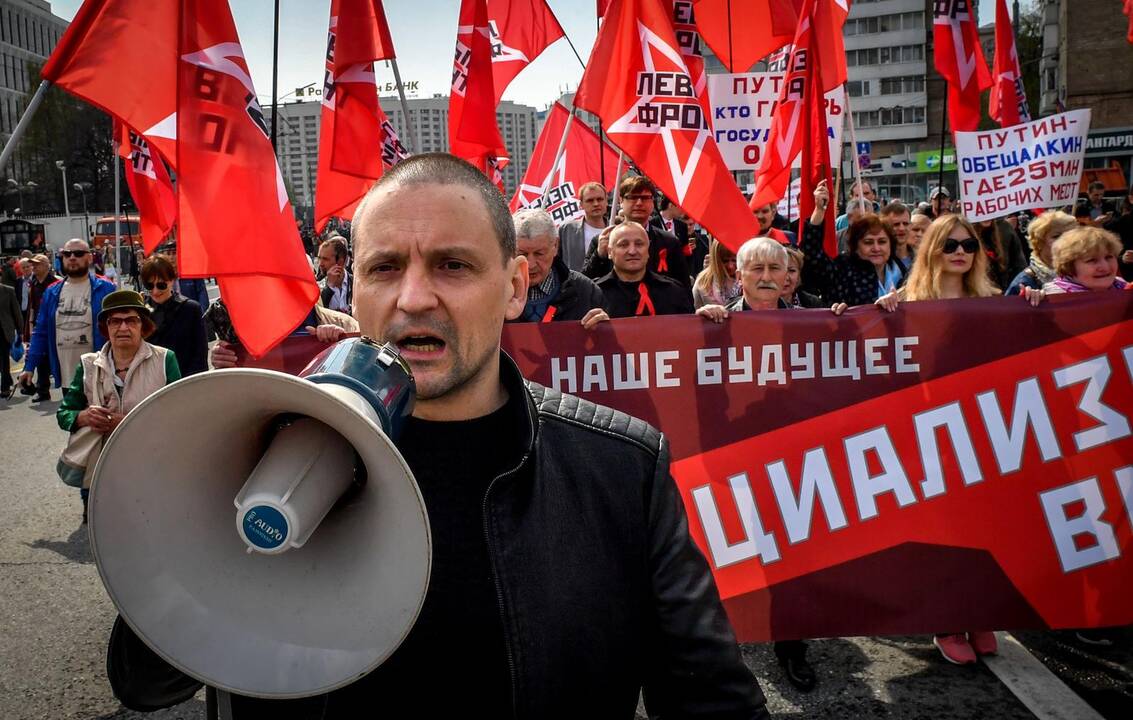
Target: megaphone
{"points": [[325, 570]]}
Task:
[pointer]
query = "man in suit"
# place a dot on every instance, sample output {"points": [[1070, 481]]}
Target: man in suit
{"points": [[575, 236], [694, 242], [11, 325], [336, 287], [666, 254]]}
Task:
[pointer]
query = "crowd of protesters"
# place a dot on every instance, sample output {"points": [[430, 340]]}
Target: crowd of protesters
{"points": [[109, 348]]}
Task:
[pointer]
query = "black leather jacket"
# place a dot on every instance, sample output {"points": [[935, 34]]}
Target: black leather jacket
{"points": [[601, 590]]}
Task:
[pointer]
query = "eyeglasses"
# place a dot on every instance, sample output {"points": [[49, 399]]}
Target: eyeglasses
{"points": [[639, 198], [160, 285], [970, 246], [131, 322], [73, 253]]}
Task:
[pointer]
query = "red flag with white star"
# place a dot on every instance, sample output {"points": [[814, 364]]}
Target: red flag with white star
{"points": [[1007, 104], [960, 60], [474, 134], [520, 31], [149, 185], [828, 17], [581, 163], [236, 223], [351, 133], [638, 82]]}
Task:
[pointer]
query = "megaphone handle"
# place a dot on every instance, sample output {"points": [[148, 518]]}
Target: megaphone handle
{"points": [[218, 704]]}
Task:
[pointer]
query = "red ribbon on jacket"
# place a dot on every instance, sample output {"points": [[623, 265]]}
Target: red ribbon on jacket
{"points": [[550, 314], [663, 260], [646, 303]]}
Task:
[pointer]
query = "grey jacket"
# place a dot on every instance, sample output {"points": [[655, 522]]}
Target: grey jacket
{"points": [[572, 244]]}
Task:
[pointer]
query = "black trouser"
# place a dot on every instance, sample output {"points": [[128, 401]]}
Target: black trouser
{"points": [[6, 377], [787, 649], [43, 375]]}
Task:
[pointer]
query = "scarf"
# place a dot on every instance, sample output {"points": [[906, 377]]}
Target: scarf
{"points": [[1073, 286], [1042, 272]]}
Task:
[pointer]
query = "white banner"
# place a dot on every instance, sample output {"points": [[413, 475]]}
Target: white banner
{"points": [[742, 108], [1023, 167]]}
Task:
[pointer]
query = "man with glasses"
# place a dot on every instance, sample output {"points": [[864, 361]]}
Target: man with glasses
{"points": [[65, 326], [666, 255]]}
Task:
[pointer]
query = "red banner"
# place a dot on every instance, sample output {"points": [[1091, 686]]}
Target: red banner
{"points": [[149, 185], [871, 475]]}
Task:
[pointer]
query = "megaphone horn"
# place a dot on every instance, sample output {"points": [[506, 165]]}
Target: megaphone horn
{"points": [[316, 585]]}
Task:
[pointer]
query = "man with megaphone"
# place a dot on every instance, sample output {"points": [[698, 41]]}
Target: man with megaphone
{"points": [[563, 578]]}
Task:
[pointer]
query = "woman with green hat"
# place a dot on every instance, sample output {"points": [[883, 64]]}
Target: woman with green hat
{"points": [[111, 382]]}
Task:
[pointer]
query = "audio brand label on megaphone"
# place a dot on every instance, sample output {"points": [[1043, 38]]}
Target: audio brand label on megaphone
{"points": [[329, 523]]}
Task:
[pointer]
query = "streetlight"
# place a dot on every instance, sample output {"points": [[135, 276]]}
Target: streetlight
{"points": [[19, 190], [66, 204], [81, 187]]}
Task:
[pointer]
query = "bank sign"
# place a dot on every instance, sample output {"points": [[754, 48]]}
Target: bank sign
{"points": [[1110, 142], [929, 160]]}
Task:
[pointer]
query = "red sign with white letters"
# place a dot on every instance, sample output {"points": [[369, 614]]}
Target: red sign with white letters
{"points": [[956, 465]]}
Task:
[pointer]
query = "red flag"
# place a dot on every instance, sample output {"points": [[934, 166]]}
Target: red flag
{"points": [[235, 221], [579, 165], [790, 122], [520, 31], [688, 38], [473, 132], [351, 136], [828, 19], [603, 5], [638, 82], [743, 33], [1008, 102], [121, 56], [1128, 10], [149, 185], [816, 165], [960, 60]]}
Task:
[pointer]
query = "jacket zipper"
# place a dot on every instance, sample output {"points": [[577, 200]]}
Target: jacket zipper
{"points": [[496, 581]]}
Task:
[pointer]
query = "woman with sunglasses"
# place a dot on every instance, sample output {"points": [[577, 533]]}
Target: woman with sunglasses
{"points": [[179, 322]]}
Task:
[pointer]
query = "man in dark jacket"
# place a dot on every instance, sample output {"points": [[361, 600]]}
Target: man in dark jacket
{"points": [[666, 254], [563, 576], [554, 292], [632, 289]]}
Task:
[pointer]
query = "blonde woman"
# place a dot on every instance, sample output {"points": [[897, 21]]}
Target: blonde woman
{"points": [[1041, 234], [949, 264], [717, 283], [1085, 260]]}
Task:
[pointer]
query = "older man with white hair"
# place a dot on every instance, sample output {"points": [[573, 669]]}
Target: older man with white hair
{"points": [[761, 268], [554, 291]]}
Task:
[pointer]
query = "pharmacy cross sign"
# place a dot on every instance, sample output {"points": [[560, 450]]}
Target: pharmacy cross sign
{"points": [[666, 105]]}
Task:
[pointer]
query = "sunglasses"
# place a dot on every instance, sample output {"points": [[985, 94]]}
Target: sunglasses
{"points": [[970, 246], [73, 253], [160, 285]]}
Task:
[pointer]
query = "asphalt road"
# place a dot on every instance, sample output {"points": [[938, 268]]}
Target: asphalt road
{"points": [[57, 617]]}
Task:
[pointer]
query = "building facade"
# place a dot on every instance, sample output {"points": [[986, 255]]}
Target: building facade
{"points": [[28, 34], [298, 137]]}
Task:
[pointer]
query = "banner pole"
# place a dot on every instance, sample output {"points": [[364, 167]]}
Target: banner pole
{"points": [[409, 124], [117, 204], [275, 77], [601, 132], [855, 170], [943, 130], [617, 182], [25, 120]]}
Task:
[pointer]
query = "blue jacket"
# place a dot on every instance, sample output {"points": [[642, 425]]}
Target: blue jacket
{"points": [[195, 289], [43, 338]]}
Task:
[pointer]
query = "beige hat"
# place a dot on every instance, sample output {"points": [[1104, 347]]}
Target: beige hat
{"points": [[41, 258]]}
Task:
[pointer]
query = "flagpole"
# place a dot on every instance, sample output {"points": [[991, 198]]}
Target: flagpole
{"points": [[558, 154], [855, 169], [601, 132], [117, 204], [25, 120], [405, 108], [275, 77], [943, 130]]}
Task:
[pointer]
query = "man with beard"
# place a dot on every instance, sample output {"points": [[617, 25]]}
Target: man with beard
{"points": [[564, 581], [666, 254], [65, 325]]}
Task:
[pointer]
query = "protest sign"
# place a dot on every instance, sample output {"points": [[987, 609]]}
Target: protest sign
{"points": [[742, 108], [868, 475], [789, 206], [1029, 166]]}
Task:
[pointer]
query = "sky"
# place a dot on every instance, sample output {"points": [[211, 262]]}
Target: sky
{"points": [[424, 34]]}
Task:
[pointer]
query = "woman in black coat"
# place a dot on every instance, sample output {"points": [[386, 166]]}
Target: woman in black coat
{"points": [[180, 326]]}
